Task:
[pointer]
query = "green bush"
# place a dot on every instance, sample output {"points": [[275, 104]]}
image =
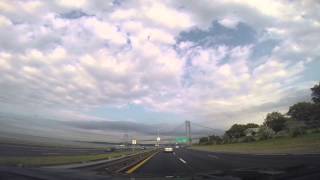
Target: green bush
{"points": [[246, 139], [295, 128], [234, 140], [283, 133], [311, 131], [297, 132], [265, 133]]}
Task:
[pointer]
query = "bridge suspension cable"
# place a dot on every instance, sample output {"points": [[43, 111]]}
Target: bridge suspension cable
{"points": [[199, 125]]}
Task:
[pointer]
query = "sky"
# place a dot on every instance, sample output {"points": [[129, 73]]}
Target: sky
{"points": [[90, 69]]}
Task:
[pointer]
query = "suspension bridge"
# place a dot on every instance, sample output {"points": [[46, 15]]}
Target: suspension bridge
{"points": [[183, 133]]}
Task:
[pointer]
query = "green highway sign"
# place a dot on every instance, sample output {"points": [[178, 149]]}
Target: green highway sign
{"points": [[182, 140]]}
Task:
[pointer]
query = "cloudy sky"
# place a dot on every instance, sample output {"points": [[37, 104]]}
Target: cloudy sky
{"points": [[97, 68]]}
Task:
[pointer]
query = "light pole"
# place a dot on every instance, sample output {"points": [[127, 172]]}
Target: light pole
{"points": [[188, 132], [158, 138], [134, 142]]}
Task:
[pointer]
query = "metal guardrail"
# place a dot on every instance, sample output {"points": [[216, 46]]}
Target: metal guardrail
{"points": [[119, 165]]}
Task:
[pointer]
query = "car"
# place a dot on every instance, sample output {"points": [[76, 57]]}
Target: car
{"points": [[177, 147], [168, 149]]}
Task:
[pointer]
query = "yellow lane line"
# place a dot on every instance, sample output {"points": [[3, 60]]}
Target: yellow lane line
{"points": [[134, 168]]}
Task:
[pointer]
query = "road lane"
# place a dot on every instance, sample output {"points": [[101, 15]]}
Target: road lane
{"points": [[202, 161], [164, 165], [186, 162]]}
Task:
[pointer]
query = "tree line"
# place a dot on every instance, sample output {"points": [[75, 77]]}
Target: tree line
{"points": [[302, 117]]}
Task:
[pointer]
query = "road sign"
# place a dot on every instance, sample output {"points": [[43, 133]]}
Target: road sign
{"points": [[182, 140], [134, 141]]}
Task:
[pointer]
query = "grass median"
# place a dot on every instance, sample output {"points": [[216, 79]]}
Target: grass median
{"points": [[309, 143], [56, 160]]}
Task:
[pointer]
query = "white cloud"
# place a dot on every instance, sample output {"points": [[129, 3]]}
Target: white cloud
{"points": [[4, 21], [105, 30], [236, 88], [123, 14], [72, 3], [159, 13], [58, 54], [275, 8], [229, 22], [113, 55], [31, 6], [6, 6]]}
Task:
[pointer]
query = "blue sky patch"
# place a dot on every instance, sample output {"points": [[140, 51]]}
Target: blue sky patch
{"points": [[220, 35]]}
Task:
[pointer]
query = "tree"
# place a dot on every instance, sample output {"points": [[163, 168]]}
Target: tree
{"points": [[203, 140], [215, 139], [236, 131], [276, 121], [316, 93], [302, 111], [251, 125], [226, 139]]}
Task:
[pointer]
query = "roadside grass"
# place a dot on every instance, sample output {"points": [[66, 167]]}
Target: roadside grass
{"points": [[309, 143], [56, 160]]}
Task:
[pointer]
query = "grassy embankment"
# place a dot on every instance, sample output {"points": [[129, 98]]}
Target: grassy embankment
{"points": [[56, 160], [309, 143]]}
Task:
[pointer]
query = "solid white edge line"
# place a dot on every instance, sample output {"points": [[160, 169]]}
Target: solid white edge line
{"points": [[183, 161]]}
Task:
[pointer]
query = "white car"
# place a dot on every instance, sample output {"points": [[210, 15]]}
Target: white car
{"points": [[168, 149]]}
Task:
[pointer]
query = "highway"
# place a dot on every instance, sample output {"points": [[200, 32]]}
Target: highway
{"points": [[185, 162]]}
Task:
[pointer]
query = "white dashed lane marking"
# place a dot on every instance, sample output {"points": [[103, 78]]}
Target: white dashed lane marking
{"points": [[183, 161], [213, 156]]}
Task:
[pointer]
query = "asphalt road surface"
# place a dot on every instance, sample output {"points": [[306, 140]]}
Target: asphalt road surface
{"points": [[190, 164], [185, 162]]}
